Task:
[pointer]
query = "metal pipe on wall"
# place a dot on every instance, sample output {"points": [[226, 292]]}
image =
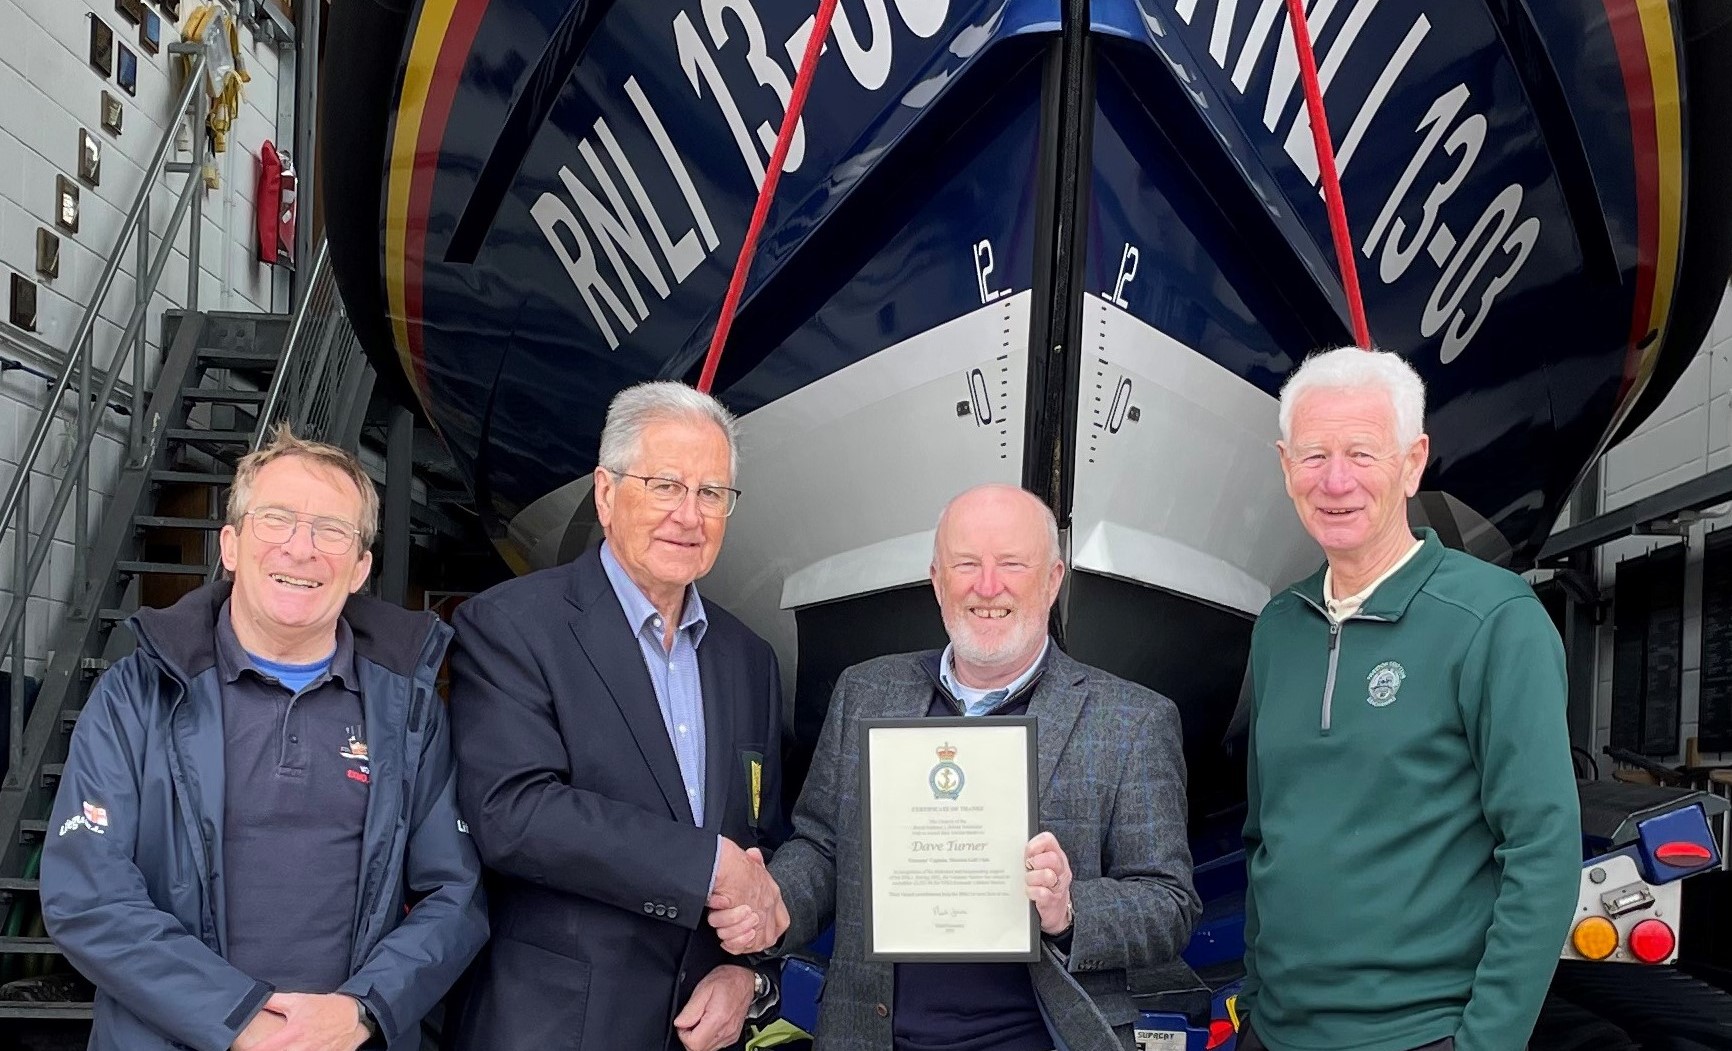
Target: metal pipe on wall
{"points": [[309, 20], [20, 571], [399, 476]]}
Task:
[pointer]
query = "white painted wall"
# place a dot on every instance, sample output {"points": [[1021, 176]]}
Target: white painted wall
{"points": [[1688, 436], [50, 91]]}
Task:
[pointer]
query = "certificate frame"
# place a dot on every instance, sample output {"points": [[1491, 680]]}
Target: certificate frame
{"points": [[962, 733]]}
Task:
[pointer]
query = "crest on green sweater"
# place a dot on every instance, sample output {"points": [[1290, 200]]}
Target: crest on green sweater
{"points": [[1384, 683]]}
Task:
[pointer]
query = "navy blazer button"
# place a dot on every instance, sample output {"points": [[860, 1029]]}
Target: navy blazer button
{"points": [[649, 908], [661, 910], [673, 912], [883, 1012]]}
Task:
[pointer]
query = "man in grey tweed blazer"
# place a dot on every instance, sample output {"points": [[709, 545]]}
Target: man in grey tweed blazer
{"points": [[1110, 872]]}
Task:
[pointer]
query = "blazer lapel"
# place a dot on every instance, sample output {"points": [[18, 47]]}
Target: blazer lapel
{"points": [[613, 651], [716, 680], [1056, 705]]}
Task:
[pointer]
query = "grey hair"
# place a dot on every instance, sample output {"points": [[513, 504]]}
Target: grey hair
{"points": [[636, 407], [1350, 368], [1057, 553]]}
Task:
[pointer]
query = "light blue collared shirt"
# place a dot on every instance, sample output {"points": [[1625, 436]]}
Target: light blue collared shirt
{"points": [[673, 673], [980, 702]]}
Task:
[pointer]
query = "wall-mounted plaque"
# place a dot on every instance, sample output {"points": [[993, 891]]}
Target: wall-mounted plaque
{"points": [[47, 252], [126, 74], [23, 303], [66, 204], [89, 157], [101, 46], [150, 33], [131, 10], [112, 113]]}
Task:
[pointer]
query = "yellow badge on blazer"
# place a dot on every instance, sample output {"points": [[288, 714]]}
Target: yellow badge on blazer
{"points": [[754, 783]]}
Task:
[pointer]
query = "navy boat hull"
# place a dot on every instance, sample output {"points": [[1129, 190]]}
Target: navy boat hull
{"points": [[1074, 246]]}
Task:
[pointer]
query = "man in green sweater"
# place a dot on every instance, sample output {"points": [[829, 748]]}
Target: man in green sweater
{"points": [[1412, 833]]}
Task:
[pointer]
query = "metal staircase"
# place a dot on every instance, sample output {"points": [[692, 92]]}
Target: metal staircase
{"points": [[224, 378]]}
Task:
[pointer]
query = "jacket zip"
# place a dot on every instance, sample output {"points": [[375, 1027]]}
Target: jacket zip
{"points": [[195, 819], [419, 693], [1334, 655], [1329, 680]]}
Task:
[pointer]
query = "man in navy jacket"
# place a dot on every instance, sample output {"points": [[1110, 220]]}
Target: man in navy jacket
{"points": [[255, 843]]}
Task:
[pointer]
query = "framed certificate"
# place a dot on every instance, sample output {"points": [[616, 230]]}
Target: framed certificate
{"points": [[949, 806]]}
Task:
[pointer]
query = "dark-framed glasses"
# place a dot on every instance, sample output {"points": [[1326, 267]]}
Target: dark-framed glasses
{"points": [[276, 525], [667, 494]]}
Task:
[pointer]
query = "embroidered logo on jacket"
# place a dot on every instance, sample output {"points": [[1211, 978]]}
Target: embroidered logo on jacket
{"points": [[94, 818], [1383, 683]]}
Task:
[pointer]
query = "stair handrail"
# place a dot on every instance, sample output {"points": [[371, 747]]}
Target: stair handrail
{"points": [[191, 103], [190, 92], [294, 342], [294, 388]]}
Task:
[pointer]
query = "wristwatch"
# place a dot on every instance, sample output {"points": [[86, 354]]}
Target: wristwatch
{"points": [[764, 995]]}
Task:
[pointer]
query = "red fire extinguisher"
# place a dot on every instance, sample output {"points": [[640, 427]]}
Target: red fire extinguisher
{"points": [[276, 204]]}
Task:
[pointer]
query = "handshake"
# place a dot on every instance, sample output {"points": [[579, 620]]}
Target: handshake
{"points": [[745, 904]]}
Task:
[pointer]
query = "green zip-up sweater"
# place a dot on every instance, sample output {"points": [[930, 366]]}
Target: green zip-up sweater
{"points": [[1412, 835]]}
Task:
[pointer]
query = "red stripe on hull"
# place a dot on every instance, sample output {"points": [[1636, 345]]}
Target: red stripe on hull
{"points": [[447, 76], [1625, 23]]}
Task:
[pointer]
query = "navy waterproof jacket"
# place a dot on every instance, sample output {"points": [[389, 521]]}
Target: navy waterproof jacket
{"points": [[131, 887]]}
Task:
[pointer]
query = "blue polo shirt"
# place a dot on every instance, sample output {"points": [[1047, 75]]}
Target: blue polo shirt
{"points": [[294, 803]]}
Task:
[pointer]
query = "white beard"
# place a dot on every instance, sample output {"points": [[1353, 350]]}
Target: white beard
{"points": [[1020, 640]]}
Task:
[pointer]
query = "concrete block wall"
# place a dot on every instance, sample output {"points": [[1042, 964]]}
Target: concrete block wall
{"points": [[52, 91], [1688, 436]]}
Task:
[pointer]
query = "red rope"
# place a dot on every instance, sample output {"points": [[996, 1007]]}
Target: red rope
{"points": [[772, 175], [1331, 178]]}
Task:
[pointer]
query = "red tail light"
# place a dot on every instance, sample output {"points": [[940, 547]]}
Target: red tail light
{"points": [[1220, 1031], [1683, 854], [1652, 941]]}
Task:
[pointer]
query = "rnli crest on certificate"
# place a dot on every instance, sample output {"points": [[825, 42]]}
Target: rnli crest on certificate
{"points": [[946, 779]]}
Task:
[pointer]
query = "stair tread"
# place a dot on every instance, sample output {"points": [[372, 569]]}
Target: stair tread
{"points": [[195, 434], [36, 945], [33, 824], [225, 395], [204, 477], [66, 1009], [165, 568], [19, 883], [171, 522], [53, 769], [247, 357]]}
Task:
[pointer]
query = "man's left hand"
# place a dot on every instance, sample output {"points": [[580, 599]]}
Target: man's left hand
{"points": [[316, 1022], [1048, 882], [713, 1017]]}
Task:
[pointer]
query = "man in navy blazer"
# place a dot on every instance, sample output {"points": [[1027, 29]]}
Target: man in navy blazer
{"points": [[617, 741]]}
